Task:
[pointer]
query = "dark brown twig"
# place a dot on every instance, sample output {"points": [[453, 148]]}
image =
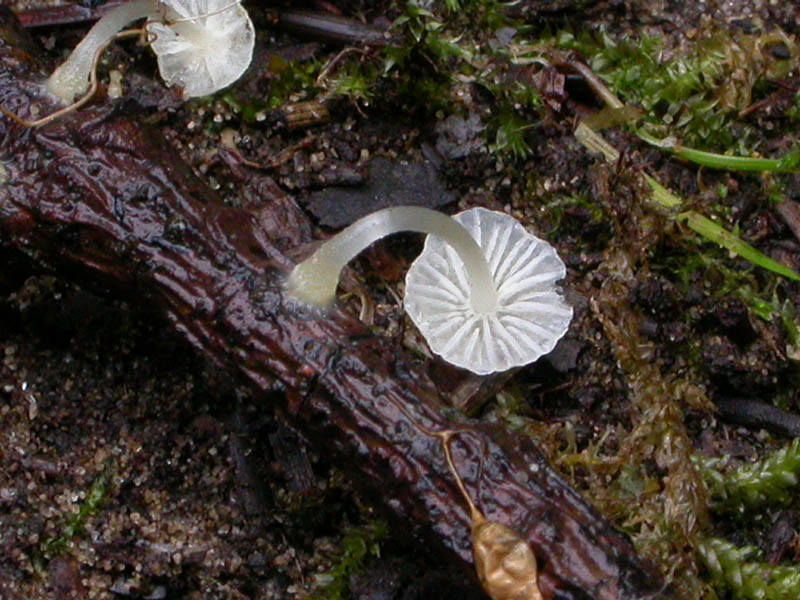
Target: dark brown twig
{"points": [[329, 28], [759, 415], [592, 80]]}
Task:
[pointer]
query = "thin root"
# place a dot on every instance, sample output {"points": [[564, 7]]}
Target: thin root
{"points": [[444, 438], [323, 75]]}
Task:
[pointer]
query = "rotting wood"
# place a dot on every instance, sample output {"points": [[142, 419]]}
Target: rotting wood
{"points": [[100, 199]]}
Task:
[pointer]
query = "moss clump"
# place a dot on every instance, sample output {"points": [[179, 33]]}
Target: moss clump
{"points": [[698, 93], [357, 546], [773, 480], [738, 570], [94, 500]]}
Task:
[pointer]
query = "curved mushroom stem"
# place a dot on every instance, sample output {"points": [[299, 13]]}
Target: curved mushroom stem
{"points": [[80, 101], [314, 281], [71, 78]]}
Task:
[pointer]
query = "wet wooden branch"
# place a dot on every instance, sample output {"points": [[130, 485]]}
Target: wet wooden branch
{"points": [[98, 198]]}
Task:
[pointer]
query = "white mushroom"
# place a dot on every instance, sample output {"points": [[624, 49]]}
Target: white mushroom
{"points": [[530, 317], [201, 45], [482, 292]]}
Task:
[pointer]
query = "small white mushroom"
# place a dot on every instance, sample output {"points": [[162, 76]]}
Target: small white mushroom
{"points": [[530, 316], [201, 45], [482, 292]]}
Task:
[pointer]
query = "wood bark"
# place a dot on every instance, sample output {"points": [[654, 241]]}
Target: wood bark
{"points": [[98, 198]]}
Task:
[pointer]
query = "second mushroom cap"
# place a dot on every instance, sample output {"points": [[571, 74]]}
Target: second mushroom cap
{"points": [[202, 45]]}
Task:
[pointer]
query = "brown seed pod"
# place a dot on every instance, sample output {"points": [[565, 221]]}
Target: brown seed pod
{"points": [[504, 562]]}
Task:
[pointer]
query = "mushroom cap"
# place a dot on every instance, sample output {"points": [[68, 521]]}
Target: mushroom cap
{"points": [[202, 45], [531, 315]]}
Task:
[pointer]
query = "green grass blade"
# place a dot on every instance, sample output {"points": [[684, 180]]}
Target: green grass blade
{"points": [[662, 196], [664, 199], [789, 163], [716, 233]]}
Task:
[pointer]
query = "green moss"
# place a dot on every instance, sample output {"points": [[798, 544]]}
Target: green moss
{"points": [[664, 515], [356, 82], [794, 111], [74, 526], [771, 481], [738, 571], [697, 94], [357, 546], [439, 54], [288, 82], [419, 73], [510, 134], [291, 81]]}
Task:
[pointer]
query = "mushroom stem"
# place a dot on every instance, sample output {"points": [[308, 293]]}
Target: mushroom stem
{"points": [[71, 78], [314, 281]]}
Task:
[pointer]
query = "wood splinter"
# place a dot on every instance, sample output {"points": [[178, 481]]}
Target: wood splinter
{"points": [[504, 562]]}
